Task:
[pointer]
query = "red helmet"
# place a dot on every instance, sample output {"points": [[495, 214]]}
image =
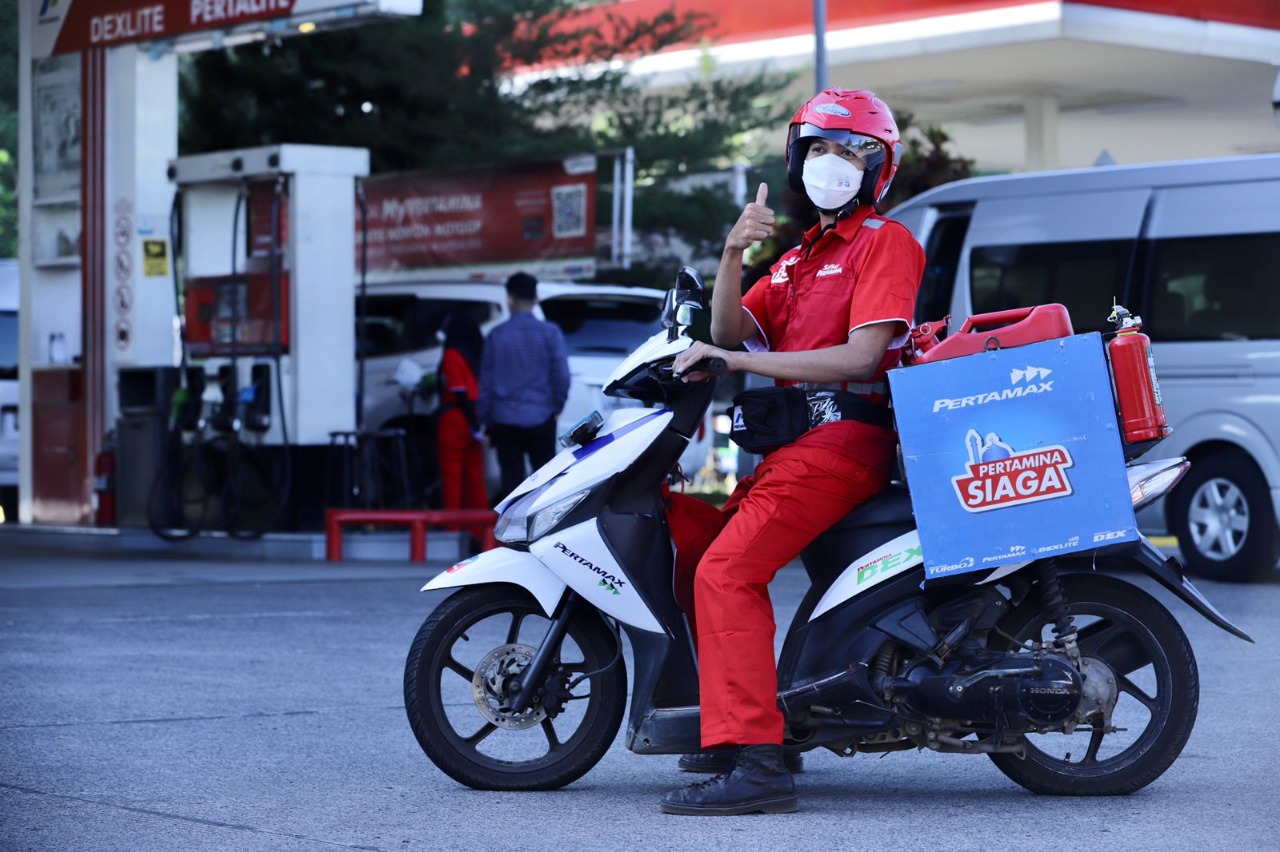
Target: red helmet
{"points": [[856, 119]]}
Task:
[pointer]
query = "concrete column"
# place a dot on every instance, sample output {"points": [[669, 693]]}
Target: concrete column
{"points": [[96, 131], [141, 138], [1040, 114]]}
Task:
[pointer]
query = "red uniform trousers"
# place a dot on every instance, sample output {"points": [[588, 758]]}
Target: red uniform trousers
{"points": [[798, 492], [461, 459]]}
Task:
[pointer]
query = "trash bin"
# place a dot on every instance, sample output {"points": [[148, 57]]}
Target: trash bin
{"points": [[145, 395]]}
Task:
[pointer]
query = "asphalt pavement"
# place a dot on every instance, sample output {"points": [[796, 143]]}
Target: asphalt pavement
{"points": [[162, 702]]}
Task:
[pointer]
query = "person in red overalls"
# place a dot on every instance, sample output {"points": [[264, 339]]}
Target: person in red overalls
{"points": [[834, 314], [459, 442]]}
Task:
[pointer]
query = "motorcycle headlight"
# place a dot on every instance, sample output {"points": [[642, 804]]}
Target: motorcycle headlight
{"points": [[512, 526], [545, 520], [509, 531]]}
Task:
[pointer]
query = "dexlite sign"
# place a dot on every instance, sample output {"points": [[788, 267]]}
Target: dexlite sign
{"points": [[1013, 455], [69, 26], [149, 22]]}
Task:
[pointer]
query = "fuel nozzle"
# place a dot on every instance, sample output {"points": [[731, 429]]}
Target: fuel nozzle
{"points": [[1122, 319]]}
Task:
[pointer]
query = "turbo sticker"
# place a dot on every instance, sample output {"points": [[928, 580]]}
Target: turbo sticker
{"points": [[997, 476]]}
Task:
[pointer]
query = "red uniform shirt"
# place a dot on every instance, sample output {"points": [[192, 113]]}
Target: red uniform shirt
{"points": [[456, 375], [863, 271]]}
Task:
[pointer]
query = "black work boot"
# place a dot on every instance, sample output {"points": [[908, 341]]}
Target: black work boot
{"points": [[758, 782], [713, 762]]}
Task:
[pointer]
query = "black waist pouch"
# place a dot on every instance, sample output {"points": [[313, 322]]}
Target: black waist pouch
{"points": [[767, 418], [764, 419]]}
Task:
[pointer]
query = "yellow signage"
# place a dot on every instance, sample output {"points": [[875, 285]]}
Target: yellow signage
{"points": [[155, 257]]}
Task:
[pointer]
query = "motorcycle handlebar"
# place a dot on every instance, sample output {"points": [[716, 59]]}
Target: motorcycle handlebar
{"points": [[712, 366]]}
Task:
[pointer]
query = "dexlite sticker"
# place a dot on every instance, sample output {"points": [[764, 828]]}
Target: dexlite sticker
{"points": [[997, 476]]}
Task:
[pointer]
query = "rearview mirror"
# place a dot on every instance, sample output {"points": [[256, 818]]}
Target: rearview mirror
{"points": [[688, 295], [689, 288], [669, 316]]}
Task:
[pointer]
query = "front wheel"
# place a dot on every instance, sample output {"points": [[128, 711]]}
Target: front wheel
{"points": [[1156, 690], [457, 692]]}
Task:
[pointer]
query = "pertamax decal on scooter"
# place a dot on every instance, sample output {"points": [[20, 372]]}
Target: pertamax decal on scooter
{"points": [[580, 557]]}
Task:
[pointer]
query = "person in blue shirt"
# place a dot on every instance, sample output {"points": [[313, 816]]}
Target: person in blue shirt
{"points": [[524, 382]]}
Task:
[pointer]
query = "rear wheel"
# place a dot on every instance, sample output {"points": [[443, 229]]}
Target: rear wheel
{"points": [[1221, 513], [457, 692], [1157, 691]]}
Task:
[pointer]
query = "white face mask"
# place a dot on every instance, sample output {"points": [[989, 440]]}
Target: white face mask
{"points": [[831, 181]]}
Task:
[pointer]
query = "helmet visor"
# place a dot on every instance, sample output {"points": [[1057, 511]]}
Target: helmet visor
{"points": [[864, 146]]}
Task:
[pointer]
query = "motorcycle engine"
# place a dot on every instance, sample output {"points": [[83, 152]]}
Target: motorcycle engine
{"points": [[1021, 692]]}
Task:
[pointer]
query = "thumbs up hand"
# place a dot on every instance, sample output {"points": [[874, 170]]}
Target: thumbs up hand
{"points": [[755, 223]]}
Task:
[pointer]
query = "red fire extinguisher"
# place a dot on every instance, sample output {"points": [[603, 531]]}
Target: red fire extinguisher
{"points": [[104, 485], [1134, 371]]}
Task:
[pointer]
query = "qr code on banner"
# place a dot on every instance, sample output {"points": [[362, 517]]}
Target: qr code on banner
{"points": [[569, 211]]}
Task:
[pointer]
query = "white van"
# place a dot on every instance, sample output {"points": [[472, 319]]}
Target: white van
{"points": [[602, 324], [8, 389], [1193, 248]]}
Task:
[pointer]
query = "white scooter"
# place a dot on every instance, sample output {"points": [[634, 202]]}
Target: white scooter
{"points": [[1072, 681]]}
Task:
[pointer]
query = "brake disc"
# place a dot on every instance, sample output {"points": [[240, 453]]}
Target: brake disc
{"points": [[491, 687]]}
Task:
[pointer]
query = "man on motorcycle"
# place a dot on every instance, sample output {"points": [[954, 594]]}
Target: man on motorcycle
{"points": [[833, 315]]}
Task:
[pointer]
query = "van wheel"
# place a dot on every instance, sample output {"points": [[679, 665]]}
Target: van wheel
{"points": [[1223, 518]]}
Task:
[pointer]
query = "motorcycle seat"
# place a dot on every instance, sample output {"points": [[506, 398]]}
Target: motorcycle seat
{"points": [[890, 506]]}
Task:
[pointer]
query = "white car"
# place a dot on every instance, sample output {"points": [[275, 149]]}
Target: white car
{"points": [[602, 323]]}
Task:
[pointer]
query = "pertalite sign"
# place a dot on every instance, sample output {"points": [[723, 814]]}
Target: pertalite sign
{"points": [[69, 26]]}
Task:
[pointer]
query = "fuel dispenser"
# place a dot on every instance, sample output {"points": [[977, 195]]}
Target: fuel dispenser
{"points": [[265, 278]]}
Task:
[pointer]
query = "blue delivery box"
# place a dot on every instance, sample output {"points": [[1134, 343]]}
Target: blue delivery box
{"points": [[1013, 455]]}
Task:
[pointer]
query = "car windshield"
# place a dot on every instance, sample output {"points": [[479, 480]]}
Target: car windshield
{"points": [[396, 325], [603, 326]]}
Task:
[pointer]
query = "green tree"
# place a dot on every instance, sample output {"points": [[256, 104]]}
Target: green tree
{"points": [[431, 92], [435, 92], [8, 130], [926, 161]]}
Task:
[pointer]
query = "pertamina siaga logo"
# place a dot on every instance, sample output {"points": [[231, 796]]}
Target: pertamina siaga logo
{"points": [[997, 476]]}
